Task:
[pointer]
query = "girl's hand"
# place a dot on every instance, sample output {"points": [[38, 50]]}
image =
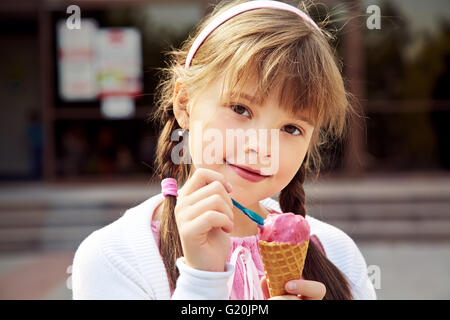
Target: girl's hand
{"points": [[204, 216], [303, 290]]}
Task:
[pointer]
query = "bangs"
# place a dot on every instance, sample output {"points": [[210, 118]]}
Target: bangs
{"points": [[284, 72]]}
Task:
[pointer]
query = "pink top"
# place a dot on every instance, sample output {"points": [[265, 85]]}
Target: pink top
{"points": [[244, 255]]}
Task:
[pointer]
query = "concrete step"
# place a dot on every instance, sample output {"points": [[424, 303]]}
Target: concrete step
{"points": [[65, 229], [44, 239], [329, 211], [69, 237], [380, 210], [397, 230], [44, 216], [58, 218]]}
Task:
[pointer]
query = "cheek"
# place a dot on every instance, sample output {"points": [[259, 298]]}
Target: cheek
{"points": [[195, 146], [207, 143], [225, 123], [291, 157]]}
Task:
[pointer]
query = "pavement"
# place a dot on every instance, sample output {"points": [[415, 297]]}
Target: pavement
{"points": [[398, 271], [400, 223], [35, 276]]}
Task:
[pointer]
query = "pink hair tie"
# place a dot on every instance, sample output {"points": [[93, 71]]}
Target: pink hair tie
{"points": [[169, 187], [233, 11]]}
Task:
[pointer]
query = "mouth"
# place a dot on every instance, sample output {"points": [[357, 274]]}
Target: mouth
{"points": [[247, 173]]}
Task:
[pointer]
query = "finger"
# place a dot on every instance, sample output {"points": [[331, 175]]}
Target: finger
{"points": [[285, 297], [215, 187], [208, 220], [202, 177], [264, 287], [214, 202], [310, 290]]}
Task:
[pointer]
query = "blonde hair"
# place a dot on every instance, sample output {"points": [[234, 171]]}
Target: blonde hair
{"points": [[280, 48]]}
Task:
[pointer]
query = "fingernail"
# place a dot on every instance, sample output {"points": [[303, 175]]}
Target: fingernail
{"points": [[230, 187], [291, 286]]}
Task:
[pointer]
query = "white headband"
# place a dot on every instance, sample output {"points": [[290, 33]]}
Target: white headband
{"points": [[251, 5]]}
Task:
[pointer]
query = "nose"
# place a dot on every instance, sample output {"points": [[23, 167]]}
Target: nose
{"points": [[260, 144], [250, 149]]}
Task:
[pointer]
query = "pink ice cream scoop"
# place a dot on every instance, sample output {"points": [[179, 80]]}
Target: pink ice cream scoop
{"points": [[284, 228]]}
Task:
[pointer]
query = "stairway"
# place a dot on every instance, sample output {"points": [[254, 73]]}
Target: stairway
{"points": [[44, 217]]}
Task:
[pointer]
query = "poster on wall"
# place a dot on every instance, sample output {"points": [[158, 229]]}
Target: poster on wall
{"points": [[119, 70], [77, 75], [100, 64]]}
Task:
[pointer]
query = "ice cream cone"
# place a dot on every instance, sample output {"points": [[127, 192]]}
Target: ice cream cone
{"points": [[282, 262]]}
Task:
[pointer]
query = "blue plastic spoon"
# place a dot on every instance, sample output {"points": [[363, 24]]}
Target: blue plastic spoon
{"points": [[249, 213]]}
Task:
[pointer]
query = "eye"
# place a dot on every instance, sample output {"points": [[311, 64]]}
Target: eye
{"points": [[292, 129], [239, 109]]}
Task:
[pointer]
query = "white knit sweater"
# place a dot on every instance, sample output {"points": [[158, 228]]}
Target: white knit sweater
{"points": [[122, 261]]}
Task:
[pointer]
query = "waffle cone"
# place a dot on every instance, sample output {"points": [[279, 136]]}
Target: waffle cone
{"points": [[282, 262]]}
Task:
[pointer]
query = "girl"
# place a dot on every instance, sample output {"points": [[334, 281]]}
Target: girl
{"points": [[252, 65]]}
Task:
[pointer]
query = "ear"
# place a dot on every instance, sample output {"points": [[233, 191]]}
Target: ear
{"points": [[181, 105]]}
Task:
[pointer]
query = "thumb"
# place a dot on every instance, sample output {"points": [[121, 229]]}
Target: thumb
{"points": [[264, 287]]}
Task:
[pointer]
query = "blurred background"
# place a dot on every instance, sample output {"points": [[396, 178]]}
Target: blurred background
{"points": [[76, 149]]}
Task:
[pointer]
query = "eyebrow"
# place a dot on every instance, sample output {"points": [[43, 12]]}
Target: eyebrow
{"points": [[305, 119], [252, 99], [248, 97], [244, 96]]}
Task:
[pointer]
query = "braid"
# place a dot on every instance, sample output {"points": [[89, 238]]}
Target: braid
{"points": [[169, 241], [293, 195], [317, 266]]}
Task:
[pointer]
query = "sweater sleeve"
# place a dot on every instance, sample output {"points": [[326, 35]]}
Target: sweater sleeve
{"points": [[193, 284], [95, 277]]}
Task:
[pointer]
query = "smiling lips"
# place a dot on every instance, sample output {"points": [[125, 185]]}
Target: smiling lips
{"points": [[247, 173]]}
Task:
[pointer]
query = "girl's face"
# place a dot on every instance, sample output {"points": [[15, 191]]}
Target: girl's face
{"points": [[279, 156]]}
